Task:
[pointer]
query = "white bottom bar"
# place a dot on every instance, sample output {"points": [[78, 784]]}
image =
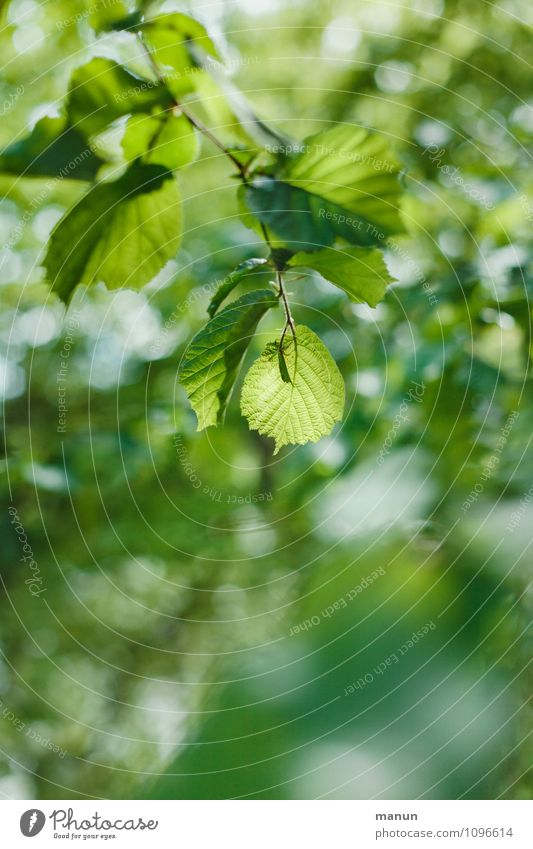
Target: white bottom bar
{"points": [[269, 824]]}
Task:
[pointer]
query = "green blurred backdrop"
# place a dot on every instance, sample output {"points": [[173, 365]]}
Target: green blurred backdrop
{"points": [[205, 620]]}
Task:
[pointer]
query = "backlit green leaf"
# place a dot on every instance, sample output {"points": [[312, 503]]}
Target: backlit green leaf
{"points": [[177, 44], [301, 220], [120, 233], [342, 182], [229, 111], [361, 272], [165, 139], [102, 91], [305, 409], [211, 363], [105, 16], [352, 168]]}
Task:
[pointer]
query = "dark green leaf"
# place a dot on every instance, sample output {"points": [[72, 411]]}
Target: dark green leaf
{"points": [[232, 280], [283, 370], [301, 220], [354, 169], [107, 15], [112, 22], [211, 363], [343, 182], [53, 149]]}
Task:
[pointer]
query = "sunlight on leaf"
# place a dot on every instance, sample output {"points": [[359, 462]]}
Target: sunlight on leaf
{"points": [[303, 410]]}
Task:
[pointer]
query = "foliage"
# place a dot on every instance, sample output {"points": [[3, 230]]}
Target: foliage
{"points": [[123, 231], [211, 362]]}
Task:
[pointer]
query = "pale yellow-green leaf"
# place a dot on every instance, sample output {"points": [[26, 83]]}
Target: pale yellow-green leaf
{"points": [[303, 410]]}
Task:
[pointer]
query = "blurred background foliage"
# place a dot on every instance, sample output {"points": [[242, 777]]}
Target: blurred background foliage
{"points": [[164, 657]]}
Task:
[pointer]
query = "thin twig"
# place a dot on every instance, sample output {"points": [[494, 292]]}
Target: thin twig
{"points": [[200, 126]]}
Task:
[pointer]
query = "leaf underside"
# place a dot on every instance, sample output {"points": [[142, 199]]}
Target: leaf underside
{"points": [[303, 410]]}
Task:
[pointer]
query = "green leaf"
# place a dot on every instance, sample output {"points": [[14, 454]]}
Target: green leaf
{"points": [[139, 133], [212, 360], [106, 15], [305, 409], [178, 44], [102, 91], [299, 219], [343, 182], [111, 23], [232, 280], [353, 169], [360, 272], [53, 149], [120, 233], [168, 32], [165, 139]]}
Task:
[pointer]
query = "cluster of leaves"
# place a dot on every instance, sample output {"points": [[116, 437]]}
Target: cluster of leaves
{"points": [[326, 205]]}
